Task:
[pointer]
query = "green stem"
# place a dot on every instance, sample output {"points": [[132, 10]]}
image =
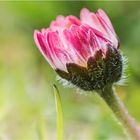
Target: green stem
{"points": [[120, 112]]}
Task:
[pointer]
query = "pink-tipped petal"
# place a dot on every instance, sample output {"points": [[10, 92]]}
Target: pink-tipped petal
{"points": [[61, 54], [102, 14], [91, 19], [42, 46], [84, 14], [73, 20], [100, 23], [108, 27]]}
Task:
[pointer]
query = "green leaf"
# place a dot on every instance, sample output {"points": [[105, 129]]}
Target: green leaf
{"points": [[59, 114]]}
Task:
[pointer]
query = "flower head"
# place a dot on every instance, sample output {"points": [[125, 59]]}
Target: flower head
{"points": [[83, 51]]}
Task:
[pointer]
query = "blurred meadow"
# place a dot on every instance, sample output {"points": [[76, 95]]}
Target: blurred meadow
{"points": [[27, 106]]}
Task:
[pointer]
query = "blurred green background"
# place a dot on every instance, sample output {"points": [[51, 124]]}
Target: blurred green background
{"points": [[27, 107]]}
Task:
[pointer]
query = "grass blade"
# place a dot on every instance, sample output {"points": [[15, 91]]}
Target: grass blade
{"points": [[59, 120]]}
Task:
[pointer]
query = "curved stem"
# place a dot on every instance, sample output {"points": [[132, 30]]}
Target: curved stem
{"points": [[120, 112]]}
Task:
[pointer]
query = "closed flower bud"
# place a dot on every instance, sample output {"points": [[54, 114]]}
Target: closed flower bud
{"points": [[84, 52]]}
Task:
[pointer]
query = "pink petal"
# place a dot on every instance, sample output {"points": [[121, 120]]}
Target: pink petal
{"points": [[73, 42], [57, 25], [102, 14], [98, 33], [109, 29], [96, 43], [42, 46], [100, 23], [62, 23], [73, 20], [91, 19], [59, 53], [84, 14]]}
